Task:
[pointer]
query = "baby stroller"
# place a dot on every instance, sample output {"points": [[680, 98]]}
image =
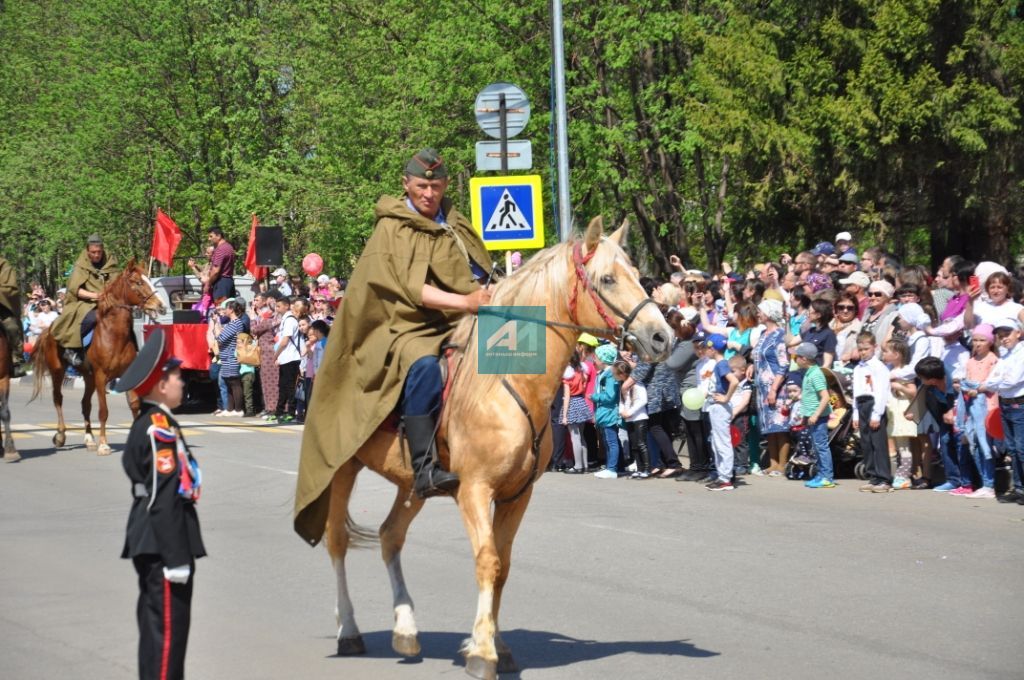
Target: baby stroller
{"points": [[843, 440]]}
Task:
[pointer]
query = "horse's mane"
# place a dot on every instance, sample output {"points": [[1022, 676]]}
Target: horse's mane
{"points": [[543, 280], [114, 293]]}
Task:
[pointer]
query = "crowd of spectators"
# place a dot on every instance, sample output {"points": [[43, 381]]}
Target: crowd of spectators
{"points": [[921, 372]]}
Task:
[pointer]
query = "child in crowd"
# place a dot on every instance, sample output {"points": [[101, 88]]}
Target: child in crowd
{"points": [[724, 387], [814, 406], [902, 430], [871, 396], [800, 436], [695, 420], [939, 400], [1007, 382], [633, 410], [741, 414], [973, 407], [575, 411], [605, 398]]}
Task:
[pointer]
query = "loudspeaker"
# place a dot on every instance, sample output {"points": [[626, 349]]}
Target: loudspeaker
{"points": [[187, 316], [269, 246]]}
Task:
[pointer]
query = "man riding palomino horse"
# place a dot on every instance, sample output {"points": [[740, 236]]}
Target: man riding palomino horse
{"points": [[10, 316], [93, 270], [423, 268]]}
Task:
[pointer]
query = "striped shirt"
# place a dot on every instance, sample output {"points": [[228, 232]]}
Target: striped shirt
{"points": [[228, 340]]}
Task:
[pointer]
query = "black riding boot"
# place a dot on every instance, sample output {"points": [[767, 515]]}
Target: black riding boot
{"points": [[74, 357], [430, 479]]}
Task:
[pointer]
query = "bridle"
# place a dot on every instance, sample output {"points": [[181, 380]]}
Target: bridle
{"points": [[601, 303], [134, 285]]}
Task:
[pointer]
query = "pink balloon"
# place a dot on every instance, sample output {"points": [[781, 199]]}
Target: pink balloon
{"points": [[312, 264]]}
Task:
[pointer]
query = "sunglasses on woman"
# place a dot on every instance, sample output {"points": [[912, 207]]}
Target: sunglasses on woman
{"points": [[846, 308], [876, 294]]}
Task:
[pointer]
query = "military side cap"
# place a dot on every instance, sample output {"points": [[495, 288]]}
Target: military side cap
{"points": [[94, 240], [150, 364], [426, 164]]}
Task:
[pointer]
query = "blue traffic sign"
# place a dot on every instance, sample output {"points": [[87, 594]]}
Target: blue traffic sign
{"points": [[508, 211]]}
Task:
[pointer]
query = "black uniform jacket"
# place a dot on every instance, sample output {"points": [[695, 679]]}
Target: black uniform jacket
{"points": [[161, 521]]}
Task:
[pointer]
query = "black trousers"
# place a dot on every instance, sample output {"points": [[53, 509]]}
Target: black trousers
{"points": [[164, 613], [874, 444], [638, 444], [663, 426], [288, 375], [697, 443]]}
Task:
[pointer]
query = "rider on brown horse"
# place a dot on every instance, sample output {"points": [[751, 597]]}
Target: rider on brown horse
{"points": [[93, 270], [10, 316], [420, 272]]}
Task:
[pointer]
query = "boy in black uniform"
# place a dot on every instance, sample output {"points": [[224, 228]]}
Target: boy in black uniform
{"points": [[163, 528]]}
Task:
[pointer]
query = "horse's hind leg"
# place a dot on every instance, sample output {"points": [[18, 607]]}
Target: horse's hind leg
{"points": [[404, 637], [11, 454], [350, 640], [56, 386], [507, 518]]}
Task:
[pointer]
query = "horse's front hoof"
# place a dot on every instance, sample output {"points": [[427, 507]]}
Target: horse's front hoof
{"points": [[506, 664], [90, 445], [103, 450], [406, 645], [351, 646], [481, 668], [59, 439], [12, 457]]}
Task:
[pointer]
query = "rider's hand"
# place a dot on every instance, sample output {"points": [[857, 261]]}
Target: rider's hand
{"points": [[477, 299]]}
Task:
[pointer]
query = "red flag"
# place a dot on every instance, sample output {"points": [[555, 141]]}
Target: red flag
{"points": [[250, 253], [166, 237]]}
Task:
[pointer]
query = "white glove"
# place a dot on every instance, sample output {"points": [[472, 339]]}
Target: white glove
{"points": [[178, 574]]}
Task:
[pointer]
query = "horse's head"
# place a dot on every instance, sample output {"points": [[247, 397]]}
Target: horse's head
{"points": [[135, 289], [614, 296]]}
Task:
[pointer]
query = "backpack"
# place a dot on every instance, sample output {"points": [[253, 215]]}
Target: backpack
{"points": [[247, 349]]}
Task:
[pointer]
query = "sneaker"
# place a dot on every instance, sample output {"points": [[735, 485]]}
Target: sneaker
{"points": [[881, 488], [271, 419], [719, 485], [943, 488], [606, 474], [286, 418], [640, 475], [962, 491], [983, 492], [900, 483], [1010, 497], [755, 469], [819, 483], [867, 488]]}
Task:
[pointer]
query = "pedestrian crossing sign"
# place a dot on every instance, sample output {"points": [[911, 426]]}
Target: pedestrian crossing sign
{"points": [[507, 211]]}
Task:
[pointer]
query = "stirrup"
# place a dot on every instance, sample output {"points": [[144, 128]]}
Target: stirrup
{"points": [[434, 481]]}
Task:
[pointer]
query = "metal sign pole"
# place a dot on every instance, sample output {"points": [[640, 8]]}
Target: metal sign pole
{"points": [[503, 125], [561, 119]]}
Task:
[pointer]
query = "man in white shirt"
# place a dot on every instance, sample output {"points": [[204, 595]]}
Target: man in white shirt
{"points": [[286, 349]]}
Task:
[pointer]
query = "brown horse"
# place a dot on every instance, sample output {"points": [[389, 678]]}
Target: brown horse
{"points": [[11, 454], [113, 348], [494, 435]]}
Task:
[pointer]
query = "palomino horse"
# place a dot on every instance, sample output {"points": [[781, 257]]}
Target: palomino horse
{"points": [[494, 435], [112, 350], [11, 454]]}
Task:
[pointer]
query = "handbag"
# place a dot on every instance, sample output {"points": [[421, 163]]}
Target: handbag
{"points": [[247, 349]]}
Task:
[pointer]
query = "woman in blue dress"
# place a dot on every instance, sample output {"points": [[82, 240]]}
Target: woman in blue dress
{"points": [[771, 362]]}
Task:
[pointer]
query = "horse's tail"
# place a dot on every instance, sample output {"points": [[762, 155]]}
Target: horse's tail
{"points": [[39, 366], [360, 536]]}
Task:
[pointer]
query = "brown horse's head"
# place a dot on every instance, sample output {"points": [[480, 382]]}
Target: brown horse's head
{"points": [[615, 296], [133, 288]]}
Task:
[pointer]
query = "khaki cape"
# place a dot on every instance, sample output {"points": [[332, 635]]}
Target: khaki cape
{"points": [[10, 294], [67, 329], [382, 329]]}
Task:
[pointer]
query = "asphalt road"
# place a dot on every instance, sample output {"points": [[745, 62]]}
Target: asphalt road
{"points": [[611, 578]]}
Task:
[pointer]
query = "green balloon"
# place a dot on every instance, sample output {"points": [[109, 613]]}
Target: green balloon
{"points": [[693, 399]]}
